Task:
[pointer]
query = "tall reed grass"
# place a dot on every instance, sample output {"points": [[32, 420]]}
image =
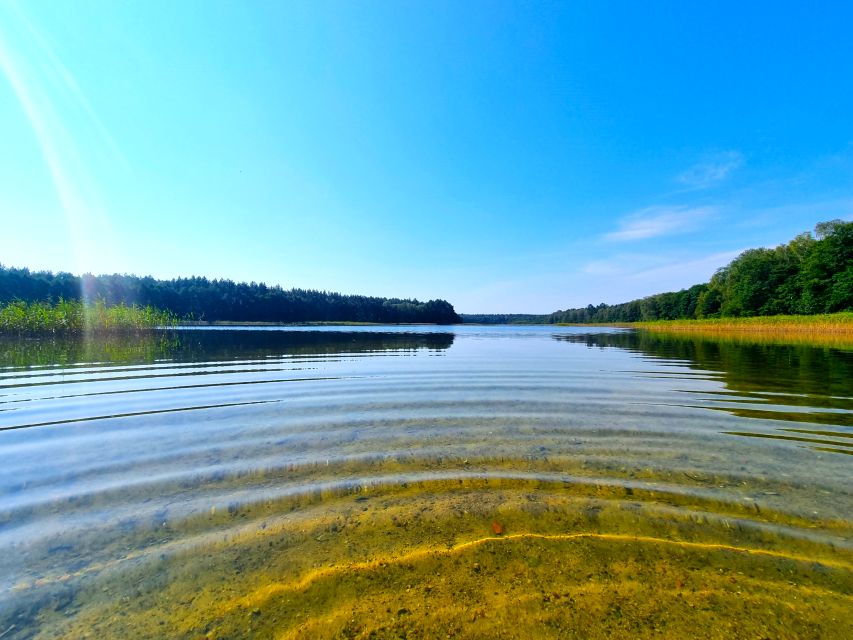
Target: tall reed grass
{"points": [[835, 329], [71, 317]]}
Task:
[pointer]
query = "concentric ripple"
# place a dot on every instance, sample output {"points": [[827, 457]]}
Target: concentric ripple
{"points": [[424, 482]]}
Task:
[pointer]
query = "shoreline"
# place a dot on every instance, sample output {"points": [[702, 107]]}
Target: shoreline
{"points": [[841, 322], [824, 330]]}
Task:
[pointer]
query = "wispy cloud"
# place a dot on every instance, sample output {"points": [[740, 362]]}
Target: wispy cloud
{"points": [[711, 171], [612, 267], [695, 269], [629, 276], [655, 221]]}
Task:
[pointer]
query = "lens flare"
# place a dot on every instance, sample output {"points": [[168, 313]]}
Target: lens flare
{"points": [[63, 123]]}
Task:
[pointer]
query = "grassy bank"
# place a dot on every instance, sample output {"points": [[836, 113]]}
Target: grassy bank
{"points": [[72, 317], [834, 329]]}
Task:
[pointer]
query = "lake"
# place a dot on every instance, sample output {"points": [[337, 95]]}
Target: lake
{"points": [[419, 481]]}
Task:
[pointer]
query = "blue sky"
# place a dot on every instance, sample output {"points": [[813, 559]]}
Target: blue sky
{"points": [[508, 157]]}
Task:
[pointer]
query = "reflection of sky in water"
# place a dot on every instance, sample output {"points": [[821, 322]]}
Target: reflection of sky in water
{"points": [[196, 423]]}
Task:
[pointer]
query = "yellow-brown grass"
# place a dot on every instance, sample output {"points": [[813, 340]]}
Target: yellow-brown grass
{"points": [[833, 330]]}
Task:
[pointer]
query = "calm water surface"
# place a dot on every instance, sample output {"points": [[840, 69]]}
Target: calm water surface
{"points": [[424, 482]]}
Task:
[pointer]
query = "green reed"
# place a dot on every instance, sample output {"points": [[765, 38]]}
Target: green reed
{"points": [[73, 317]]}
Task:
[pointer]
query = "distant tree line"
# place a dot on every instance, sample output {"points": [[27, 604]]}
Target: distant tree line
{"points": [[811, 274], [219, 300], [503, 318]]}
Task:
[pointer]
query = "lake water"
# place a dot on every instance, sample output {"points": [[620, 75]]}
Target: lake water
{"points": [[499, 482]]}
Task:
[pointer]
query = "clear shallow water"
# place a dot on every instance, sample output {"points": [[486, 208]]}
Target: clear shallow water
{"points": [[509, 481]]}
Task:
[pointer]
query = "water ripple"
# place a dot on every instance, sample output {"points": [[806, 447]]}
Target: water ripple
{"points": [[161, 452]]}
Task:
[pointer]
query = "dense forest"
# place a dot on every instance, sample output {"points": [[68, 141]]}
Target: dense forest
{"points": [[219, 300], [813, 273]]}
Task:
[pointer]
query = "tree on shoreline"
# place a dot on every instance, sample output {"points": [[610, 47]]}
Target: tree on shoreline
{"points": [[214, 300]]}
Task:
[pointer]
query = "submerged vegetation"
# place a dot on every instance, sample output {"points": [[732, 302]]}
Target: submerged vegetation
{"points": [[425, 560], [73, 317], [221, 300], [812, 274]]}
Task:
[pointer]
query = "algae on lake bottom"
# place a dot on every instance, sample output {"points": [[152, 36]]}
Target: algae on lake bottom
{"points": [[423, 561]]}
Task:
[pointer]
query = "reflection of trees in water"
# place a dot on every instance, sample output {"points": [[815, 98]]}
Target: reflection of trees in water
{"points": [[138, 349], [207, 345], [258, 344], [793, 370]]}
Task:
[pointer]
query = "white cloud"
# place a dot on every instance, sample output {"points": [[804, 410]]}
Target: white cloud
{"points": [[711, 171], [655, 221]]}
